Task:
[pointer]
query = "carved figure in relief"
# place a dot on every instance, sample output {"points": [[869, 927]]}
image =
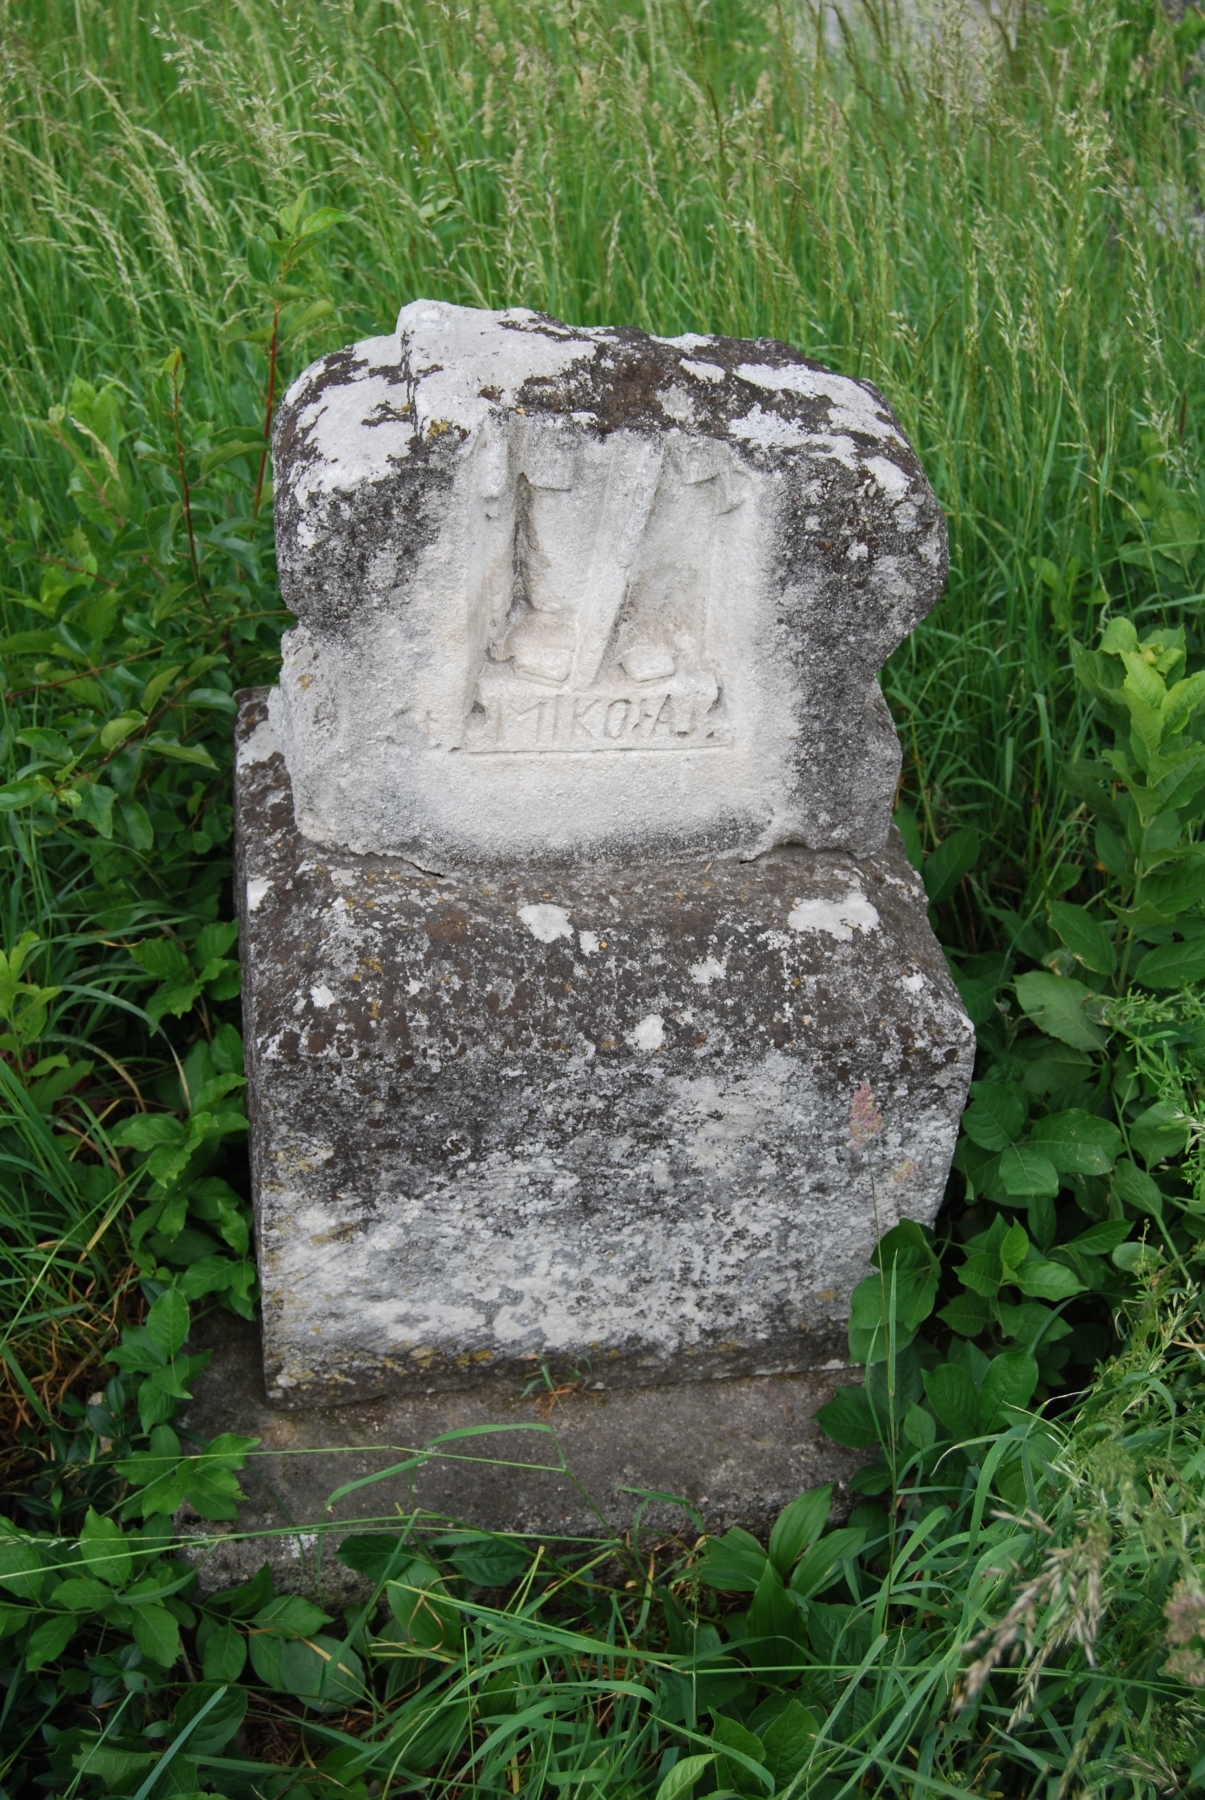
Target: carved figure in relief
{"points": [[596, 591]]}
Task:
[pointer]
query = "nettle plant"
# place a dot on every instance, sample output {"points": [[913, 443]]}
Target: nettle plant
{"points": [[1081, 1150]]}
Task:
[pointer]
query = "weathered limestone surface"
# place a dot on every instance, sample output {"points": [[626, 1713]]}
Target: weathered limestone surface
{"points": [[569, 593], [594, 1117]]}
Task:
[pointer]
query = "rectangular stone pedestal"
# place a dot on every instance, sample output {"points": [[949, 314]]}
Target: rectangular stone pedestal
{"points": [[594, 1118], [579, 1466]]}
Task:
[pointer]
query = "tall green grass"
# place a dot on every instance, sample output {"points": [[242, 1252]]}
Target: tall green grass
{"points": [[1000, 228]]}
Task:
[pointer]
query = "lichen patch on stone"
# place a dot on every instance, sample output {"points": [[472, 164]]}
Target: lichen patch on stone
{"points": [[838, 918], [547, 923]]}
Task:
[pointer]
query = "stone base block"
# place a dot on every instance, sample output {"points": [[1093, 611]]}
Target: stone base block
{"points": [[577, 1467], [596, 1119]]}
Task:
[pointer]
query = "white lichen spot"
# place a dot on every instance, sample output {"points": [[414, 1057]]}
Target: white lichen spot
{"points": [[547, 923], [258, 746], [679, 404], [649, 1034], [913, 983], [703, 371], [709, 970], [761, 427], [414, 987], [839, 918], [322, 996], [588, 941], [893, 481], [857, 553], [257, 889], [850, 407]]}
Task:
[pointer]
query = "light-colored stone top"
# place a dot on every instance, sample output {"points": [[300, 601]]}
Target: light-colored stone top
{"points": [[574, 592]]}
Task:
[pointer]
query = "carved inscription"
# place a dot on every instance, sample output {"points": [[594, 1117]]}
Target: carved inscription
{"points": [[512, 716]]}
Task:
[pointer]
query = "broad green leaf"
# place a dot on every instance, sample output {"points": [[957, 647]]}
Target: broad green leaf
{"points": [[223, 1718], [1077, 1143], [1103, 1238], [1118, 636], [146, 1130], [167, 1322], [16, 794], [485, 1559], [29, 643], [772, 1615], [120, 728], [289, 1615], [1159, 1133], [82, 1594], [319, 1670], [156, 1634], [849, 1419], [115, 1767], [51, 746], [996, 1117], [682, 1777], [96, 807], [1182, 701], [734, 1771], [1142, 680], [163, 957], [104, 1549], [1055, 1003], [1083, 936], [1137, 1255], [163, 744], [734, 1563], [322, 219], [982, 1273], [223, 1653], [967, 1314], [799, 1525], [1010, 1380], [50, 1639], [136, 825], [869, 1334], [1014, 1247], [813, 1571], [214, 941], [174, 997], [1047, 1280], [953, 1398], [1054, 1066], [788, 1741], [1027, 1172], [213, 459], [1137, 1188], [1176, 887], [1173, 965], [918, 1427], [946, 866]]}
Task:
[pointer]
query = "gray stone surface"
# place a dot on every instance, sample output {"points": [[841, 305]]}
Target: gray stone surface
{"points": [[568, 593], [736, 1450], [596, 1117]]}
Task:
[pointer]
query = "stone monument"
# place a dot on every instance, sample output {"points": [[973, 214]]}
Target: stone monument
{"points": [[573, 923]]}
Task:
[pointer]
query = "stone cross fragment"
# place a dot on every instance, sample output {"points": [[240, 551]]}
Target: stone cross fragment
{"points": [[577, 594], [593, 1015]]}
